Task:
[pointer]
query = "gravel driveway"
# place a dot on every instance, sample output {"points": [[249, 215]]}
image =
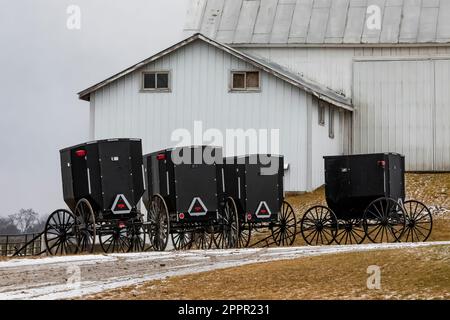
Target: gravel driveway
{"points": [[75, 276]]}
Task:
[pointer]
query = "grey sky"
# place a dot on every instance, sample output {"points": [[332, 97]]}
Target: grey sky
{"points": [[42, 67]]}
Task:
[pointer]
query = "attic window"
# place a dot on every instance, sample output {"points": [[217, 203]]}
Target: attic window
{"points": [[155, 81], [245, 80]]}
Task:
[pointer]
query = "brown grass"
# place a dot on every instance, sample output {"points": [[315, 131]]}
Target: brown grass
{"points": [[421, 273]]}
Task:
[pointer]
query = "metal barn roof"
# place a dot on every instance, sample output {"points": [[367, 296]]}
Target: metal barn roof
{"points": [[320, 22], [309, 86]]}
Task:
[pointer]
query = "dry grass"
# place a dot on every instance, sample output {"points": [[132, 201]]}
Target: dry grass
{"points": [[432, 189], [421, 273]]}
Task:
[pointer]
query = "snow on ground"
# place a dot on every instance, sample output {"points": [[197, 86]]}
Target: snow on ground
{"points": [[75, 276]]}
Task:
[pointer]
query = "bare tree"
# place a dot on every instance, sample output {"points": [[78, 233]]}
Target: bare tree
{"points": [[7, 227], [25, 220]]}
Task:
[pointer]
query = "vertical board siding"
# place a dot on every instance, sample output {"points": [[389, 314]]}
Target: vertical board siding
{"points": [[394, 100], [321, 144], [333, 66], [395, 110], [442, 129], [200, 78]]}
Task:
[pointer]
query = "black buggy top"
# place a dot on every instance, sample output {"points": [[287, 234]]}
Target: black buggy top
{"points": [[254, 186], [352, 182], [258, 194], [191, 190], [107, 173]]}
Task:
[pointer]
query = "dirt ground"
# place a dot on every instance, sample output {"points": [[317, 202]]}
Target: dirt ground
{"points": [[420, 273]]}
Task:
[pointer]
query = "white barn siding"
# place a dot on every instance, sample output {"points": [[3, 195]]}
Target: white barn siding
{"points": [[322, 145], [395, 102], [332, 67], [200, 76], [404, 106], [402, 101], [442, 135]]}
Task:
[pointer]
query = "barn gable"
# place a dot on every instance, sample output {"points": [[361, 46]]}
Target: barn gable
{"points": [[200, 92], [320, 91]]}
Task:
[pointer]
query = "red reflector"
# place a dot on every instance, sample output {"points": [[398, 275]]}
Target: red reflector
{"points": [[81, 153], [121, 206], [263, 211], [161, 156], [198, 209], [181, 215], [249, 216], [382, 163]]}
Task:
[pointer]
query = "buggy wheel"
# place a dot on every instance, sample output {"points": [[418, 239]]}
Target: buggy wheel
{"points": [[285, 230], [384, 221], [136, 237], [86, 226], [182, 240], [350, 231], [319, 226], [228, 233], [159, 228], [114, 238], [203, 239], [245, 234], [60, 233], [419, 222]]}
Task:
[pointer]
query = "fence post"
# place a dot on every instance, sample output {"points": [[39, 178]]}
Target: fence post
{"points": [[32, 246]]}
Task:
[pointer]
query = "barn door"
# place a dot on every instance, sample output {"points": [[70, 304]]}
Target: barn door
{"points": [[395, 106], [442, 126]]}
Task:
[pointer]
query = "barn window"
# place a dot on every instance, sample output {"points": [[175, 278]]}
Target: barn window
{"points": [[156, 81], [322, 110], [331, 123], [245, 80]]}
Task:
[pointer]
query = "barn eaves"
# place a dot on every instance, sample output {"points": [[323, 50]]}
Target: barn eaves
{"points": [[318, 90]]}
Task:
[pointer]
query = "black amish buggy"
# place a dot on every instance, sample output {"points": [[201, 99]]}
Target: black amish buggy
{"points": [[184, 198], [254, 189], [366, 199], [102, 185]]}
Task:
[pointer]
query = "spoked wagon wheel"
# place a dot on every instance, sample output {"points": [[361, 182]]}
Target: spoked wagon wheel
{"points": [[114, 239], [136, 237], [86, 226], [228, 232], [319, 226], [245, 234], [204, 239], [350, 231], [159, 229], [419, 222], [60, 234], [182, 240], [384, 221], [285, 230]]}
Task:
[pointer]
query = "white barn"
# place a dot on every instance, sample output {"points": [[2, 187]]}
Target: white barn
{"points": [[201, 79], [397, 76], [311, 68]]}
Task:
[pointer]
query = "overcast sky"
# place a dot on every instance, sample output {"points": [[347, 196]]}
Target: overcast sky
{"points": [[43, 65]]}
